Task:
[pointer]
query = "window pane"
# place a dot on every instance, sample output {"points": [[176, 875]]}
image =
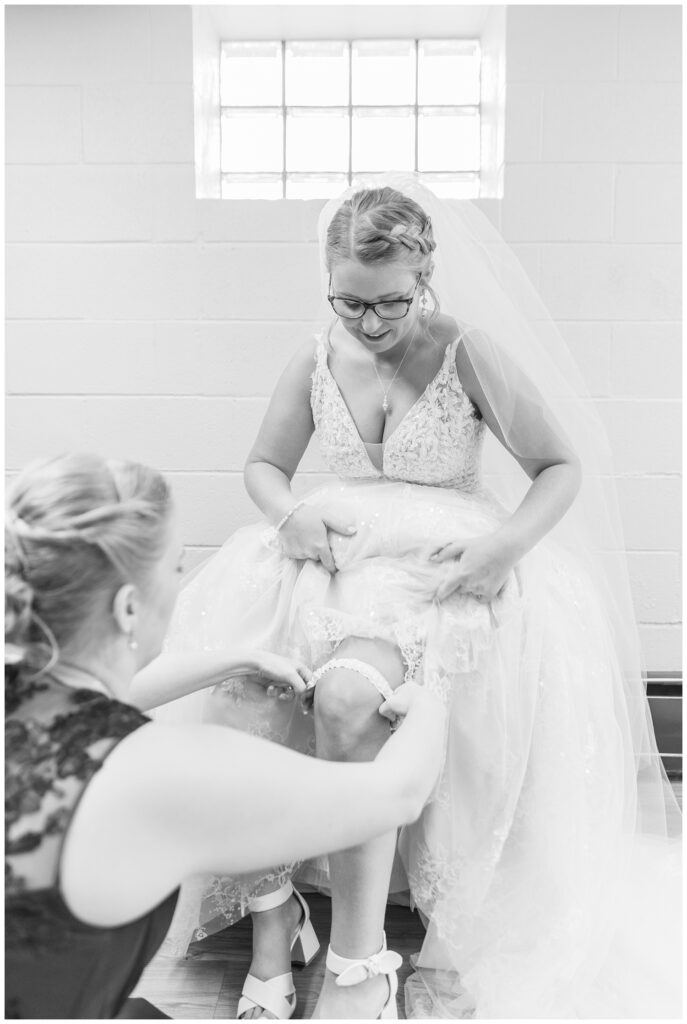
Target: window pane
{"points": [[252, 140], [315, 186], [317, 74], [454, 186], [251, 74], [383, 139], [448, 139], [317, 139], [252, 186], [448, 71], [383, 72]]}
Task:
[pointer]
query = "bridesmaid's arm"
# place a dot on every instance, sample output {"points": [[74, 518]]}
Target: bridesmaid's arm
{"points": [[173, 675], [170, 676], [174, 801]]}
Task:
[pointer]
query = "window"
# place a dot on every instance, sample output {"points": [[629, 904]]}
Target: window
{"points": [[300, 119], [424, 84]]}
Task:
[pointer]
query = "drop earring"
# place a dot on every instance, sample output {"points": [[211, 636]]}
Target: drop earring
{"points": [[424, 305], [133, 644]]}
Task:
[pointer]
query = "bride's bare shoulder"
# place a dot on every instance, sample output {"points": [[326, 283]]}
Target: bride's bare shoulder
{"points": [[305, 355]]}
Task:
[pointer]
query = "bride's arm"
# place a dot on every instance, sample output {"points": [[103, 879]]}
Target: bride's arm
{"points": [[555, 480], [482, 566], [282, 439]]}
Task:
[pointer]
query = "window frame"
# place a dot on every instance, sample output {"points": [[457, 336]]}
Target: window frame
{"points": [[212, 24]]}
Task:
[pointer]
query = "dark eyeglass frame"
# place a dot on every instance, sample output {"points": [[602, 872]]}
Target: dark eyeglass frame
{"points": [[372, 305]]}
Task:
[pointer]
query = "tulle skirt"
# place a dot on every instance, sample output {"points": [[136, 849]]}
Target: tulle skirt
{"points": [[540, 896]]}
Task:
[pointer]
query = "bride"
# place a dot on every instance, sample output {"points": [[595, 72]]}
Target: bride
{"points": [[552, 812]]}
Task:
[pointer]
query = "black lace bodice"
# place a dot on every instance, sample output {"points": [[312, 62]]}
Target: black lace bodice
{"points": [[57, 966]]}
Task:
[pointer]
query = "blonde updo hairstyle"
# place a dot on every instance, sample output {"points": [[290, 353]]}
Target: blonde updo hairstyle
{"points": [[78, 528], [381, 225]]}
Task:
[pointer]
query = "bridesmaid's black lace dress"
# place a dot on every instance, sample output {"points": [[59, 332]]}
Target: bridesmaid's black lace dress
{"points": [[58, 967]]}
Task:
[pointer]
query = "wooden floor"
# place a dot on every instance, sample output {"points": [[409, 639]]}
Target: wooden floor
{"points": [[206, 984]]}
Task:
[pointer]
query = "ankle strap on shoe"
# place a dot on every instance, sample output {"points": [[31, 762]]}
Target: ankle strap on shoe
{"points": [[352, 972], [256, 904]]}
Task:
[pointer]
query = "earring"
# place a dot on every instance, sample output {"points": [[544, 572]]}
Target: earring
{"points": [[133, 644], [424, 304]]}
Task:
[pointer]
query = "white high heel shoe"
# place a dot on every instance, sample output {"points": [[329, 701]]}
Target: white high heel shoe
{"points": [[278, 995], [352, 972]]}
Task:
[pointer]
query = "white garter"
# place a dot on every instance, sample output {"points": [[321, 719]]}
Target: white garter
{"points": [[355, 665]]}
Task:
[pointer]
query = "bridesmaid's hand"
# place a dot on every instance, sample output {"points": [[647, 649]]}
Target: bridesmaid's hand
{"points": [[282, 677], [305, 535], [406, 697], [479, 567]]}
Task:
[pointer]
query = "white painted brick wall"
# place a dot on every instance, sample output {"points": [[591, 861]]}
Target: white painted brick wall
{"points": [[42, 124], [145, 323]]}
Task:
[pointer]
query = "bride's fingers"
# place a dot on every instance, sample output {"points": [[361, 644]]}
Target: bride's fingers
{"points": [[447, 552], [448, 587], [327, 559]]}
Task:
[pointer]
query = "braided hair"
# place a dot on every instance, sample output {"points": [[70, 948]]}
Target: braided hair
{"points": [[381, 225], [78, 527]]}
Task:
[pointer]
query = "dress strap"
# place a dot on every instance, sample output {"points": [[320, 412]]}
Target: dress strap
{"points": [[320, 361], [450, 368], [451, 350]]}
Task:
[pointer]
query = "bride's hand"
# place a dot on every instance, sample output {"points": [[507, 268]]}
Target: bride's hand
{"points": [[479, 567], [305, 535], [282, 677]]}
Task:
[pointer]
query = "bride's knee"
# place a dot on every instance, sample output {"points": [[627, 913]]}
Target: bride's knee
{"points": [[346, 705]]}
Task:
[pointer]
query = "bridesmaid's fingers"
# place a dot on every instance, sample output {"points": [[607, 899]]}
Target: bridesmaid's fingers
{"points": [[293, 680], [304, 672]]}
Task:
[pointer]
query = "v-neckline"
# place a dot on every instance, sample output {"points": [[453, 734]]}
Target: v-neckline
{"points": [[383, 444]]}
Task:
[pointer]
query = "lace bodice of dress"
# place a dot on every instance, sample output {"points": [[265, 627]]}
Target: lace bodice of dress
{"points": [[438, 442]]}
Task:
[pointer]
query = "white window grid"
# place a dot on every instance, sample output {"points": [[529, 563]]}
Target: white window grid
{"points": [[248, 173]]}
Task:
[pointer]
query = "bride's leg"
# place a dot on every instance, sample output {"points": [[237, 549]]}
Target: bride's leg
{"points": [[272, 933], [349, 727]]}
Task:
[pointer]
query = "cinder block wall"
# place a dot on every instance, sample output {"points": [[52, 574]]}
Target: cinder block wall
{"points": [[143, 323]]}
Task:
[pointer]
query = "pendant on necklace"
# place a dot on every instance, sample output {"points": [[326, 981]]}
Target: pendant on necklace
{"points": [[385, 404]]}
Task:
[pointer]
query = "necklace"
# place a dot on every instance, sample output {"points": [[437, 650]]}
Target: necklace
{"points": [[387, 389]]}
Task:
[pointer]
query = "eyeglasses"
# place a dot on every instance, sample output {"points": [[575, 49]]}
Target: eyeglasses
{"points": [[353, 309]]}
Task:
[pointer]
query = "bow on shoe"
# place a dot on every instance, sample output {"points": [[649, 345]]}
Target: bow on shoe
{"points": [[385, 962]]}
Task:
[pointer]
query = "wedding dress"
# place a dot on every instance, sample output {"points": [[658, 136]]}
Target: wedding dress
{"points": [[539, 897]]}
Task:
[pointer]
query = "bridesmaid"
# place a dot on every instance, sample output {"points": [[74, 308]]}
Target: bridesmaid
{"points": [[106, 811]]}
